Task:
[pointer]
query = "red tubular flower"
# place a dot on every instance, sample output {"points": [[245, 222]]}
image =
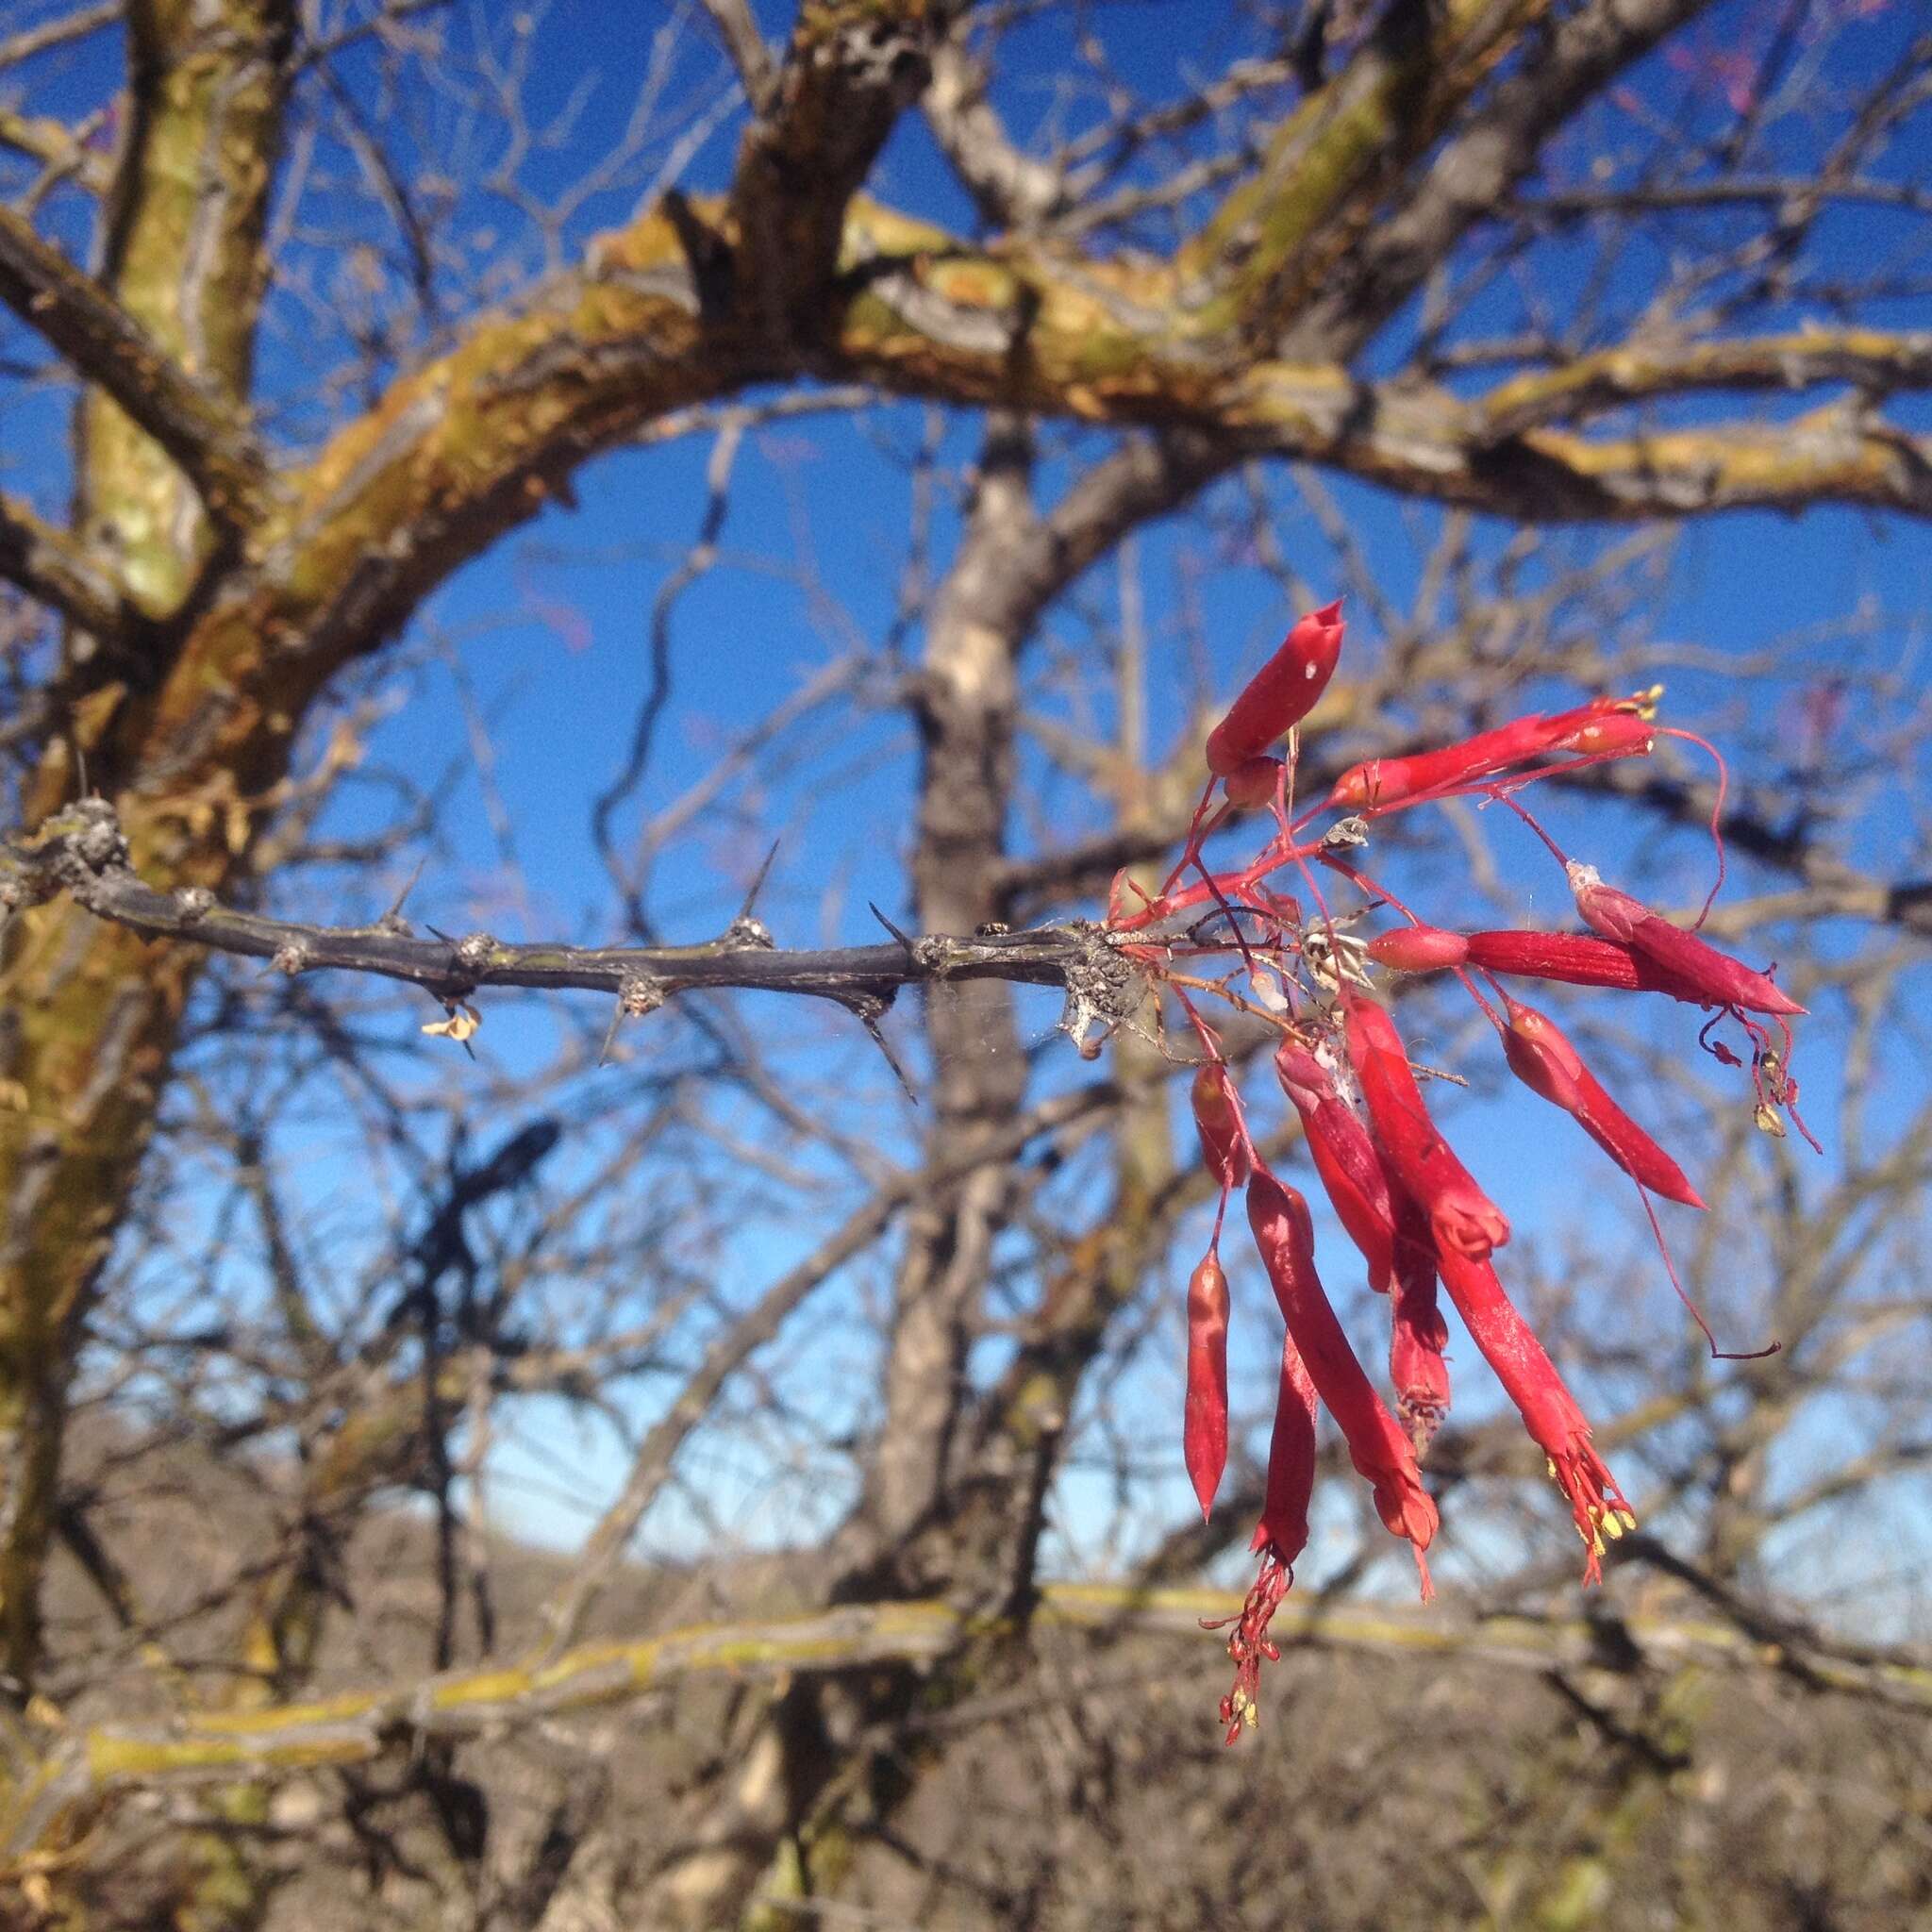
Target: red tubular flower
{"points": [[1204, 1433], [1575, 958], [1419, 949], [1719, 980], [1281, 693], [1422, 1162], [1219, 1127], [1418, 1334], [1286, 1239], [1549, 1411], [1280, 1536], [1344, 1158], [1605, 727], [1545, 1062]]}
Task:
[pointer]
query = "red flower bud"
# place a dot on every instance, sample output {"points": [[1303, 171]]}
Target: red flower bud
{"points": [[1204, 1433], [1379, 784], [1285, 1238], [1281, 693], [1717, 980], [1545, 1062], [1418, 949], [1219, 1127], [1423, 1164]]}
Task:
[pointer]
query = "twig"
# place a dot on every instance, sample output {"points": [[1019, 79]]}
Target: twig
{"points": [[48, 565], [81, 850]]}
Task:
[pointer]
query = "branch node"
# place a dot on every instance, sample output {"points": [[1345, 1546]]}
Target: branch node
{"points": [[706, 253], [475, 951], [638, 995], [1104, 989], [747, 934], [91, 834]]}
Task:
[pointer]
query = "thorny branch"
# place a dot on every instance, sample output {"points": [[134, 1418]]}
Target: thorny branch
{"points": [[81, 852]]}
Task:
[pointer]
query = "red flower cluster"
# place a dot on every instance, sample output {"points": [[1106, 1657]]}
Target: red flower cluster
{"points": [[1403, 1197]]}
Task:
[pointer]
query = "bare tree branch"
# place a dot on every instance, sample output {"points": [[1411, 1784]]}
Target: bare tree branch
{"points": [[60, 31], [360, 1727], [50, 566], [746, 46], [1494, 146], [103, 344], [1871, 361], [1010, 190], [651, 1467]]}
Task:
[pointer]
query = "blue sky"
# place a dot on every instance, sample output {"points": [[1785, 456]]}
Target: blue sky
{"points": [[549, 629]]}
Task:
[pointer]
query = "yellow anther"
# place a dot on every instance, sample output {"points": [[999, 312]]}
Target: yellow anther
{"points": [[1251, 1717], [1612, 1526]]}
